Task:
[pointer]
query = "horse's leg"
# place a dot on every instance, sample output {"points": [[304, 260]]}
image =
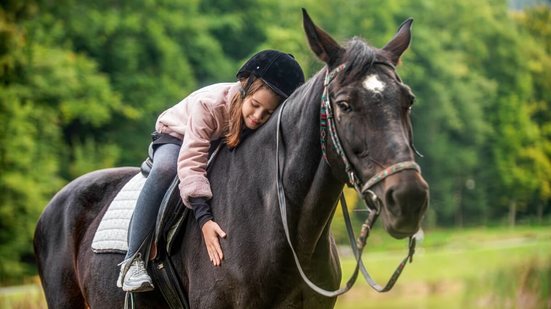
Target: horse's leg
{"points": [[61, 229], [54, 249], [97, 273]]}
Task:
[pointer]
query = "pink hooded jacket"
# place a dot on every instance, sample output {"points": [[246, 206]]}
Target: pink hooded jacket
{"points": [[198, 119]]}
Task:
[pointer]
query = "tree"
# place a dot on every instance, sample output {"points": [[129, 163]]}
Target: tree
{"points": [[148, 50], [534, 23], [45, 93]]}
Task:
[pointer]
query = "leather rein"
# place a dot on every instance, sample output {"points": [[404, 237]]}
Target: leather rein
{"points": [[371, 201]]}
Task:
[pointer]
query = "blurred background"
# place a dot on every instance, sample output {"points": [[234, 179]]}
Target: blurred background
{"points": [[82, 82]]}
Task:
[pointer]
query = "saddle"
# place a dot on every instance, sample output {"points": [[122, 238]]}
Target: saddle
{"points": [[172, 215], [170, 220]]}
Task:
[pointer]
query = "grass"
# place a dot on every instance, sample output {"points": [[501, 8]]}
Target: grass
{"points": [[473, 268], [23, 297], [459, 268]]}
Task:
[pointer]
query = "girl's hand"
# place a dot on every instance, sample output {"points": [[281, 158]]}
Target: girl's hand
{"points": [[211, 232]]}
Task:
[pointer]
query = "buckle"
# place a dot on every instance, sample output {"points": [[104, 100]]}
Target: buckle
{"points": [[372, 201]]}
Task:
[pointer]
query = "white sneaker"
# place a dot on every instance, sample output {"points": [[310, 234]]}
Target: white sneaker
{"points": [[121, 275], [135, 279]]}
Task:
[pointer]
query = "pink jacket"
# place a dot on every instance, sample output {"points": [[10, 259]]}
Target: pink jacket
{"points": [[198, 119]]}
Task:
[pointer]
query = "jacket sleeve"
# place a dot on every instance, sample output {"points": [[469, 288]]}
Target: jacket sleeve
{"points": [[193, 156]]}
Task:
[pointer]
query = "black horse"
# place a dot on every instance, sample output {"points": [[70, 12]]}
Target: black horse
{"points": [[371, 107]]}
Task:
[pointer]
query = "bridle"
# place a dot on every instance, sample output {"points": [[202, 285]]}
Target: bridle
{"points": [[371, 200], [328, 127]]}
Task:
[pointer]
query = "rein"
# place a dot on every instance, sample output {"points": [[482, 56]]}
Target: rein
{"points": [[371, 200]]}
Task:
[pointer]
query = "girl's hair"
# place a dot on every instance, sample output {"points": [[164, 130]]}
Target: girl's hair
{"points": [[235, 124]]}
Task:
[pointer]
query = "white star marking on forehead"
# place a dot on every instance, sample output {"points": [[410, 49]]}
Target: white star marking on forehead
{"points": [[372, 83]]}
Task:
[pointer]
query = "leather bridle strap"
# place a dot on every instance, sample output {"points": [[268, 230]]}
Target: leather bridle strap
{"points": [[364, 190], [328, 127], [357, 248], [391, 170], [283, 212]]}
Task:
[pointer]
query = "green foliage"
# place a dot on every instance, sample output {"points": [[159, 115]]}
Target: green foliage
{"points": [[26, 181], [50, 98], [449, 119], [534, 25]]}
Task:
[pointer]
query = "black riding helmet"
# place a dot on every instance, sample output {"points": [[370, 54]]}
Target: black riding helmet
{"points": [[280, 71]]}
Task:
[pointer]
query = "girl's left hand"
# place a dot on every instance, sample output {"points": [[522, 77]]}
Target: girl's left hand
{"points": [[211, 231]]}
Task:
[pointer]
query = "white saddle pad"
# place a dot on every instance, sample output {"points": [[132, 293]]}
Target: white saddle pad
{"points": [[112, 233]]}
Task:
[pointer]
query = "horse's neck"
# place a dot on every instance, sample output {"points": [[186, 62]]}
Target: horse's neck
{"points": [[310, 186]]}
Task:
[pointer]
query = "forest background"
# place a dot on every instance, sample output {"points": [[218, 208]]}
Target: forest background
{"points": [[82, 82]]}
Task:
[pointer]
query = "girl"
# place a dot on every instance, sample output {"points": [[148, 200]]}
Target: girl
{"points": [[181, 144]]}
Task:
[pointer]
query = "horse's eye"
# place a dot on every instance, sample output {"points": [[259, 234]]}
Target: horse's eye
{"points": [[344, 106]]}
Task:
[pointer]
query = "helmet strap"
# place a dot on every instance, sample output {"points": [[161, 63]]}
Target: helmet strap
{"points": [[245, 90]]}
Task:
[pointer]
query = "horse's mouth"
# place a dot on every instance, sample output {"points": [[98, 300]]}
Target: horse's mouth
{"points": [[399, 235], [403, 218], [403, 230]]}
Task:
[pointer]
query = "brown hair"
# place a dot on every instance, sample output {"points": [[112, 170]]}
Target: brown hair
{"points": [[235, 123]]}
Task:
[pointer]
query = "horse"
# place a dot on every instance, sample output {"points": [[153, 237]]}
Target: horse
{"points": [[372, 120]]}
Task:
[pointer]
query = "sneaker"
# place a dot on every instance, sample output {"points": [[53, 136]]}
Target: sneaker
{"points": [[124, 268], [136, 278], [121, 275]]}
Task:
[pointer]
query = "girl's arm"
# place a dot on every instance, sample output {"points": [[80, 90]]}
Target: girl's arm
{"points": [[211, 230], [194, 185], [201, 127]]}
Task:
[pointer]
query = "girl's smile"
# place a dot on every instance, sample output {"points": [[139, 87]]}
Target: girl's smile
{"points": [[253, 122]]}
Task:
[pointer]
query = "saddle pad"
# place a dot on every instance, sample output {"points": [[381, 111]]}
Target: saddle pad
{"points": [[112, 233]]}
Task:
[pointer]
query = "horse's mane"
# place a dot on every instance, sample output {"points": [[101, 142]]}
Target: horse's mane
{"points": [[358, 58]]}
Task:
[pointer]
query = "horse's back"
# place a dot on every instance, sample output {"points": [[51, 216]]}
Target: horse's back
{"points": [[65, 226], [81, 200]]}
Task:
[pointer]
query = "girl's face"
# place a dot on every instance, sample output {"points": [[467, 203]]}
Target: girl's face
{"points": [[258, 107]]}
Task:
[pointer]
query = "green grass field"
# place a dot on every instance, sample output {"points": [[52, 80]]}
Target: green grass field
{"points": [[470, 268]]}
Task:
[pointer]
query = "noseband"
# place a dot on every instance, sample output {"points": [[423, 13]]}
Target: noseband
{"points": [[373, 202]]}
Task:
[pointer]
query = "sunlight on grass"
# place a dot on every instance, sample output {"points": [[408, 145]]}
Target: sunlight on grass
{"points": [[23, 297], [449, 266]]}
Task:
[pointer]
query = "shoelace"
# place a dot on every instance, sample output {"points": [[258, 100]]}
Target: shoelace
{"points": [[138, 267]]}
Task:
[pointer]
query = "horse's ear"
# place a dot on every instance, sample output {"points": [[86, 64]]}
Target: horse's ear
{"points": [[400, 41], [321, 43]]}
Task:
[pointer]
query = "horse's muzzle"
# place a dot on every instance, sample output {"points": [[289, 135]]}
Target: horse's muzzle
{"points": [[405, 201]]}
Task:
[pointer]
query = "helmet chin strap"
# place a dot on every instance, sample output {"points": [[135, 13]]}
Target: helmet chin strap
{"points": [[245, 90]]}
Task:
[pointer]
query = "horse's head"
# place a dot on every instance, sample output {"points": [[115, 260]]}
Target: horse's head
{"points": [[371, 108]]}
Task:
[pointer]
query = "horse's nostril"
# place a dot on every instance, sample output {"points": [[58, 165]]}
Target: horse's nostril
{"points": [[409, 199], [392, 203]]}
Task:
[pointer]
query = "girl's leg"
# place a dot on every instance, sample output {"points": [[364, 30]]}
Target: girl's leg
{"points": [[133, 276], [159, 179]]}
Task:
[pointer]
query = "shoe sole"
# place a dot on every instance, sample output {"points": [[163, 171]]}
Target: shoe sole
{"points": [[144, 287]]}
